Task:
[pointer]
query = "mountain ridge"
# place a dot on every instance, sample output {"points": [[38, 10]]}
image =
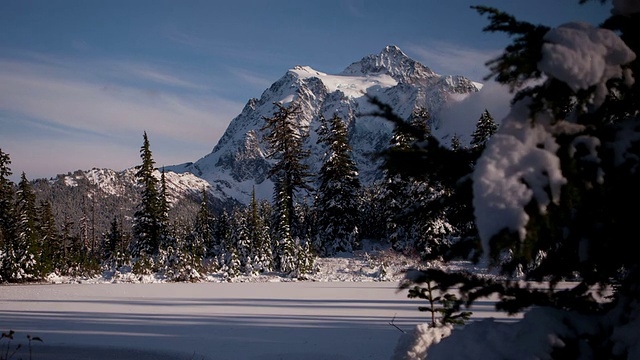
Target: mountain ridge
{"points": [[238, 164]]}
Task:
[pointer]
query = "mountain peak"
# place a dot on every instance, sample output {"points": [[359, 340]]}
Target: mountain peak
{"points": [[392, 61]]}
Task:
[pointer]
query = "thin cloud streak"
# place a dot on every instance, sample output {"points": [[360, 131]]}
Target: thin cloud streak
{"points": [[159, 76], [67, 120], [45, 93], [251, 78], [449, 59]]}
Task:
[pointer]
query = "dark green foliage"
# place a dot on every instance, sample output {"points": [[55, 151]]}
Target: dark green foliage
{"points": [[201, 239], [519, 61], [49, 256], [150, 216], [290, 176], [8, 223], [337, 202], [448, 309], [587, 235], [485, 128], [285, 138], [427, 191]]}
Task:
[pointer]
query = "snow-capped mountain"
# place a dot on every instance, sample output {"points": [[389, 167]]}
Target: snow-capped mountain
{"points": [[238, 163]]}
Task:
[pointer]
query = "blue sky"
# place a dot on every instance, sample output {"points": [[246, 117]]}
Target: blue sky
{"points": [[81, 80]]}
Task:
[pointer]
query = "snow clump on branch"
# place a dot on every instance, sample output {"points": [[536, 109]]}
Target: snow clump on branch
{"points": [[582, 56]]}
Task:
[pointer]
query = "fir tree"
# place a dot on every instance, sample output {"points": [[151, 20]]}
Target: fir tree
{"points": [[8, 223], [455, 142], [241, 240], [485, 128], [148, 219], [285, 138], [406, 194], [222, 234], [50, 257], [285, 258], [290, 176], [261, 254], [114, 249], [202, 235], [575, 226], [27, 243], [337, 200]]}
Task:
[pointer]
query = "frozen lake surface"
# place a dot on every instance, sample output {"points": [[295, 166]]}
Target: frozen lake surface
{"points": [[281, 320]]}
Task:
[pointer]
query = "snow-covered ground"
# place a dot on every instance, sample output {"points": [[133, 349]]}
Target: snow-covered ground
{"points": [[343, 311]]}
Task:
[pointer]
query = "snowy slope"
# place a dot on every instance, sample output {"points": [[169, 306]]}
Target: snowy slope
{"points": [[237, 164]]}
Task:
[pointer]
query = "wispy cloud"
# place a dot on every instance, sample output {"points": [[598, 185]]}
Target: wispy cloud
{"points": [[450, 59], [251, 78], [355, 8], [71, 108], [461, 117], [159, 76]]}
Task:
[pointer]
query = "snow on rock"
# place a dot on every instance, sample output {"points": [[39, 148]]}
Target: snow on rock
{"points": [[583, 56], [238, 163]]}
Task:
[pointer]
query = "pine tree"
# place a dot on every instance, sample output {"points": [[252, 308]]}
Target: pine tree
{"points": [[262, 253], [372, 212], [485, 128], [583, 137], [202, 235], [50, 257], [148, 219], [290, 176], [285, 258], [456, 144], [337, 200], [114, 250], [163, 200], [405, 194], [27, 244], [285, 138], [241, 240], [8, 223], [222, 234]]}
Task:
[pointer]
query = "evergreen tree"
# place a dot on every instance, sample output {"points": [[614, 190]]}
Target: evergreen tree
{"points": [[262, 253], [222, 234], [372, 212], [583, 136], [337, 200], [27, 243], [202, 235], [285, 246], [164, 203], [241, 240], [114, 249], [455, 142], [406, 195], [175, 260], [8, 223], [148, 219], [50, 257], [285, 138], [485, 128], [290, 176]]}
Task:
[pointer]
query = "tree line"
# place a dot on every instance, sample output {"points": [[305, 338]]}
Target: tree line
{"points": [[304, 219]]}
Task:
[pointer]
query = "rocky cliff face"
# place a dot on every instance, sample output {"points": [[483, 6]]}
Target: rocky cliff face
{"points": [[238, 164]]}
